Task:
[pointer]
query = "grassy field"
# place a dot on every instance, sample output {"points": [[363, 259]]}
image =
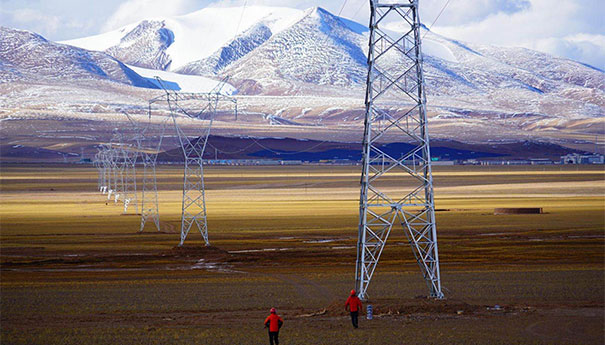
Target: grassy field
{"points": [[74, 269]]}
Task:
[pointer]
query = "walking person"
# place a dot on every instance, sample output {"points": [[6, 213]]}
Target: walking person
{"points": [[353, 305], [274, 323]]}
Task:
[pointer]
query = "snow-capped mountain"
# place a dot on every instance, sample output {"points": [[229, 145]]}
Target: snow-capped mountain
{"points": [[150, 37], [475, 92], [269, 44], [288, 51], [318, 49], [171, 43], [28, 56]]}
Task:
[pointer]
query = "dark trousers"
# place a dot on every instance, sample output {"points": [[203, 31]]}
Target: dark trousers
{"points": [[354, 318], [273, 338]]}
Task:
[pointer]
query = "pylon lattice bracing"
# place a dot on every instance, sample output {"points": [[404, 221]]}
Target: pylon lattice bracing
{"points": [[202, 107], [396, 112]]}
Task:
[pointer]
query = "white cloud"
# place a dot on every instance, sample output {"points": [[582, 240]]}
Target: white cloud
{"points": [[134, 10], [586, 48], [565, 28], [56, 19], [37, 20], [462, 12]]}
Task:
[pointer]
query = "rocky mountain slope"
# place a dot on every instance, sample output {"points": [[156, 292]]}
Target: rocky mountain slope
{"points": [[279, 51], [29, 57], [300, 74]]}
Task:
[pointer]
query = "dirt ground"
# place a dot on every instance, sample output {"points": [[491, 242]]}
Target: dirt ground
{"points": [[74, 269]]}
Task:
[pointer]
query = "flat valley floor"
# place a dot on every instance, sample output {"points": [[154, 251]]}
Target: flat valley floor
{"points": [[75, 270]]}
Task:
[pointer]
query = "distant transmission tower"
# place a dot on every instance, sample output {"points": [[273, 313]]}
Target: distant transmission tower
{"points": [[130, 154], [117, 165], [149, 199], [98, 164], [395, 111], [194, 194], [149, 155], [109, 161], [104, 163]]}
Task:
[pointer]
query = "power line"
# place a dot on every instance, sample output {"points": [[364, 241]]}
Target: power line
{"points": [[289, 153], [241, 17], [438, 15], [342, 8], [363, 2], [231, 152]]}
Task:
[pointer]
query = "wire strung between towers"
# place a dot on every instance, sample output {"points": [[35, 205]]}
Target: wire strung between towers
{"points": [[436, 18], [241, 17]]}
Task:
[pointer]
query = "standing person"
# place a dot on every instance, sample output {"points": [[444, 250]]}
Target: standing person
{"points": [[274, 323], [354, 305]]}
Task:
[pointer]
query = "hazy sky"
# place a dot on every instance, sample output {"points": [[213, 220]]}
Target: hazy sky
{"points": [[568, 28]]}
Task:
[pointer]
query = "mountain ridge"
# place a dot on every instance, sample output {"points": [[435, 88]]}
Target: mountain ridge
{"points": [[475, 92], [21, 54], [523, 68]]}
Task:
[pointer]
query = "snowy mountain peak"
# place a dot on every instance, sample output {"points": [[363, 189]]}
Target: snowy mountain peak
{"points": [[275, 50], [181, 43], [25, 55], [180, 40], [149, 36]]}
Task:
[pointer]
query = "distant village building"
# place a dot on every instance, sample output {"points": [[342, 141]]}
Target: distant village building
{"points": [[529, 161], [291, 162], [242, 162], [443, 162], [541, 161], [574, 158], [507, 162], [471, 162]]}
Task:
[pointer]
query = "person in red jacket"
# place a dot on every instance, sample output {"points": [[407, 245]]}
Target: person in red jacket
{"points": [[354, 305], [274, 323]]}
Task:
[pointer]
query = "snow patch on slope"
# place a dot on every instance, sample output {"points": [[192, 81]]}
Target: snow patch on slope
{"points": [[184, 83], [436, 49], [102, 41], [201, 33]]}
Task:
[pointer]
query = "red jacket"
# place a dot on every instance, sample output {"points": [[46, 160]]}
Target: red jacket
{"points": [[274, 322], [354, 303]]}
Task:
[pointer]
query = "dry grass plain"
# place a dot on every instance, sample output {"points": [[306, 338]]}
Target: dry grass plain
{"points": [[75, 271]]}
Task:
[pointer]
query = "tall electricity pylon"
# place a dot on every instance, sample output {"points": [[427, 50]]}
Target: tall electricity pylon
{"points": [[104, 162], [117, 164], [149, 155], [149, 199], [131, 150], [111, 157], [194, 194], [396, 189], [130, 156], [97, 162]]}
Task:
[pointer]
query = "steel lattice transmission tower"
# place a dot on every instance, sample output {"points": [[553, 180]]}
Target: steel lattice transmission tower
{"points": [[98, 163], [149, 199], [118, 164], [205, 107], [114, 182], [149, 155], [396, 189], [106, 167], [129, 161]]}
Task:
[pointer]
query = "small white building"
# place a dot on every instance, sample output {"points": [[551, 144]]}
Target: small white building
{"points": [[574, 158]]}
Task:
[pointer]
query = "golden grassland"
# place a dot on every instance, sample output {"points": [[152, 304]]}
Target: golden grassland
{"points": [[74, 269]]}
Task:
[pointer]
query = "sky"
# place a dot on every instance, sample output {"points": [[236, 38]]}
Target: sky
{"points": [[568, 28]]}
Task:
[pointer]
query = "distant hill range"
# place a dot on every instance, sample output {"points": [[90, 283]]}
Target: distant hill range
{"points": [[476, 93], [250, 148], [315, 151]]}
